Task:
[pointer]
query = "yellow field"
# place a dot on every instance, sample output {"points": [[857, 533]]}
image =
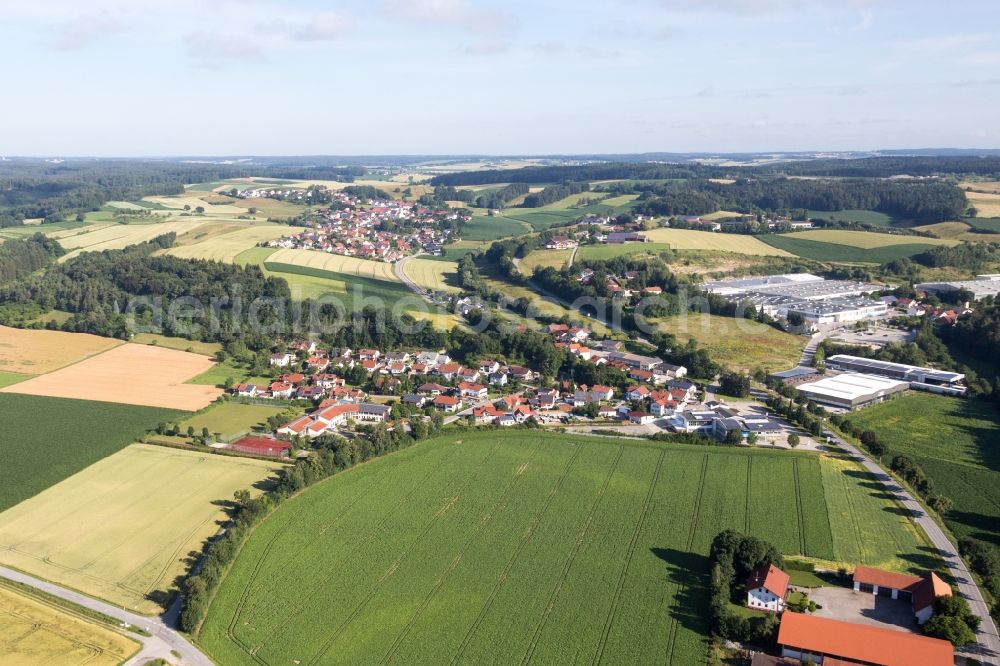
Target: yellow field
{"points": [[688, 239], [130, 374], [378, 270], [271, 207], [36, 352], [620, 200], [983, 186], [987, 204], [544, 259], [123, 528], [959, 231], [226, 246], [865, 239], [35, 632], [431, 274], [194, 199], [721, 215], [118, 236]]}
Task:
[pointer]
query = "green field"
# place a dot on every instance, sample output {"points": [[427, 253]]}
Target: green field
{"points": [[123, 528], [860, 216], [180, 344], [524, 548], [230, 418], [957, 443], [10, 378], [604, 252], [740, 344], [984, 224], [46, 440], [486, 228], [835, 252]]}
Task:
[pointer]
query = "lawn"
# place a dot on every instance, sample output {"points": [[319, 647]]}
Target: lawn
{"points": [[123, 529], [957, 443], [737, 343], [483, 548], [689, 239], [36, 632], [48, 439], [860, 216], [230, 418]]}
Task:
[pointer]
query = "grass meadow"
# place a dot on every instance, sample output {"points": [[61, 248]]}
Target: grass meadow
{"points": [[605, 252], [860, 216], [690, 239], [476, 547], [124, 528], [230, 418], [957, 443], [840, 253], [49, 439], [33, 631], [738, 344]]}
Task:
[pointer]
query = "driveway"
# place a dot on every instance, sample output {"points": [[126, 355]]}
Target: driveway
{"points": [[842, 603]]}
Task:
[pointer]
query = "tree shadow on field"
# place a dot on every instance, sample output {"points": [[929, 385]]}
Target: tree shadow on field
{"points": [[902, 511], [690, 572], [927, 558], [985, 527]]}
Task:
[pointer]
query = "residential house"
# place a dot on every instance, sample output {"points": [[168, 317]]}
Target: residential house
{"points": [[447, 403], [281, 359], [767, 588]]}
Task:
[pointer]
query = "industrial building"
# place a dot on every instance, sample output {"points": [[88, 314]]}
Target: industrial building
{"points": [[839, 310], [851, 390], [926, 379], [982, 286]]}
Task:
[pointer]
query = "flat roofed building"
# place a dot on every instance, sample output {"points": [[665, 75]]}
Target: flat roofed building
{"points": [[900, 371], [986, 285], [839, 310], [823, 641], [852, 390]]}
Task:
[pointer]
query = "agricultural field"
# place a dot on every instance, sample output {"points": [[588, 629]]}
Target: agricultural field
{"points": [[49, 439], [35, 352], [689, 239], [860, 216], [864, 239], [606, 251], [486, 228], [226, 246], [231, 419], [458, 249], [837, 252], [955, 441], [130, 374], [11, 378], [431, 274], [123, 529], [482, 548], [953, 231], [987, 203], [737, 343], [35, 632], [377, 270], [544, 259], [989, 186], [984, 224], [118, 236], [180, 344]]}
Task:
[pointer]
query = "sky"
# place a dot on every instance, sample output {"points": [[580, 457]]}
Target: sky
{"points": [[356, 77]]}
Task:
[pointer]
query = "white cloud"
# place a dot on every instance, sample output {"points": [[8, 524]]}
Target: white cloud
{"points": [[322, 27], [209, 47], [983, 59], [452, 13], [84, 31]]}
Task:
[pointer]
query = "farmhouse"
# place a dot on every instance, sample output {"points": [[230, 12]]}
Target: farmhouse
{"points": [[560, 243], [767, 588], [920, 592], [852, 391], [816, 640], [928, 379]]}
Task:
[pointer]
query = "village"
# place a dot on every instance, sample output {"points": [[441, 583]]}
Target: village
{"points": [[380, 230]]}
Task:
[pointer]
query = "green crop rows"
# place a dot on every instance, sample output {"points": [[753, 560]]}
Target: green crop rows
{"points": [[532, 547]]}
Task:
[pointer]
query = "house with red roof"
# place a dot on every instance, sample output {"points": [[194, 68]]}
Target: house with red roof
{"points": [[447, 403], [262, 446], [767, 588], [920, 591]]}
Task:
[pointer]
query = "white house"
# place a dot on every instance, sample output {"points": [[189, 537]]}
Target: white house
{"points": [[282, 359], [767, 588]]}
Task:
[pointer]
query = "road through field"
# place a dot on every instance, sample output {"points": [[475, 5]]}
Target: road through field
{"points": [[987, 650], [160, 645]]}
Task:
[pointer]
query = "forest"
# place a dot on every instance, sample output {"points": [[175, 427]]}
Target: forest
{"points": [[21, 257]]}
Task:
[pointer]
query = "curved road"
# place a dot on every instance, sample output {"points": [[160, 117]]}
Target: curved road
{"points": [[161, 645], [988, 648], [400, 271]]}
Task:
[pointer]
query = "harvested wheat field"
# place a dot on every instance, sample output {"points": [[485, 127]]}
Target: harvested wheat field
{"points": [[432, 274], [378, 270], [129, 374], [35, 352], [119, 236], [987, 204], [122, 529], [35, 632], [866, 239], [225, 247], [689, 239]]}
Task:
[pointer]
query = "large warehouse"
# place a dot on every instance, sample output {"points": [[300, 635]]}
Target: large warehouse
{"points": [[852, 390], [928, 379]]}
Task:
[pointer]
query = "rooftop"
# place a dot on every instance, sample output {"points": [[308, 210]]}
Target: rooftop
{"points": [[851, 386]]}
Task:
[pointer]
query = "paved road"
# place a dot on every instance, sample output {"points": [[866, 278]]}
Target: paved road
{"points": [[988, 648], [160, 645], [398, 269]]}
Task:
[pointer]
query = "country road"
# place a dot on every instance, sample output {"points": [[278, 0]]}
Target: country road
{"points": [[987, 650], [399, 270], [162, 644]]}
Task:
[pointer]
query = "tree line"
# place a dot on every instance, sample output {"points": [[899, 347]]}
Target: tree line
{"points": [[21, 257]]}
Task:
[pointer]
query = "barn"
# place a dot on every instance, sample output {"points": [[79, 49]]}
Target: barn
{"points": [[919, 591], [262, 446]]}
